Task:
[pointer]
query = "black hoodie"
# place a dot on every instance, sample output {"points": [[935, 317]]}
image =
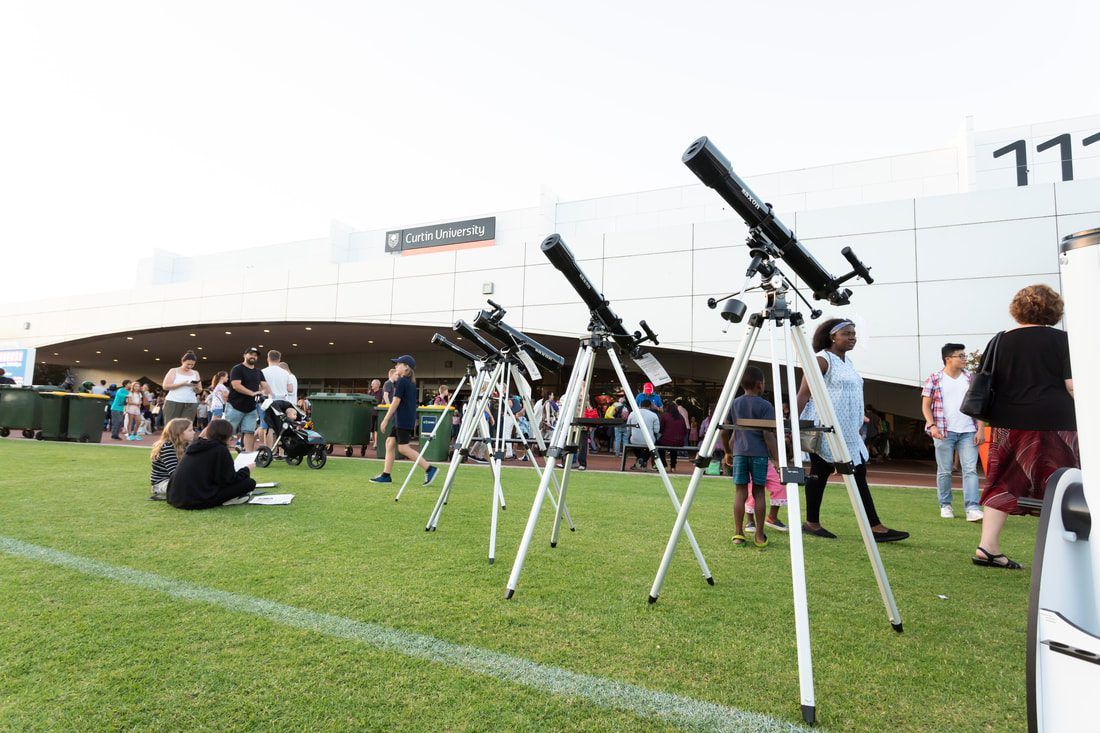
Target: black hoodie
{"points": [[205, 477]]}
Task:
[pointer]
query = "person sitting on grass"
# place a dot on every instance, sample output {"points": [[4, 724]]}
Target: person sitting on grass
{"points": [[400, 419], [167, 453], [751, 450], [205, 477]]}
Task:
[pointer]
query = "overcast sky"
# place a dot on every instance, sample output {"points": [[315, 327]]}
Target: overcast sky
{"points": [[203, 126]]}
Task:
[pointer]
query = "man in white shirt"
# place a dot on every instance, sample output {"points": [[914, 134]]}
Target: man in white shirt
{"points": [[953, 431], [645, 413], [278, 381]]}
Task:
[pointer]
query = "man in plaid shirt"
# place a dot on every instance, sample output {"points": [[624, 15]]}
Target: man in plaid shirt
{"points": [[953, 431]]}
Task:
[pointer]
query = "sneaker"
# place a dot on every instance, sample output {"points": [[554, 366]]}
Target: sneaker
{"points": [[776, 524], [429, 475], [946, 512], [750, 526], [239, 500], [382, 478], [974, 514], [581, 468]]}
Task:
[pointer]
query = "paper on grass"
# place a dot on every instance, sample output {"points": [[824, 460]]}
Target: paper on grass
{"points": [[272, 499], [267, 485], [244, 459]]}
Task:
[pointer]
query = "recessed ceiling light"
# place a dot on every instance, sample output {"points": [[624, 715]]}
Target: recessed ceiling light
{"points": [[228, 333], [459, 338], [199, 348], [370, 342], [114, 360], [331, 343], [56, 354], [260, 346], [145, 350], [158, 358], [99, 352], [129, 338], [191, 335], [204, 357], [78, 361], [309, 328], [267, 330], [294, 344]]}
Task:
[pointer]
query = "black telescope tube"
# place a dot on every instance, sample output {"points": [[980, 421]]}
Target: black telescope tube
{"points": [[509, 336], [441, 340], [467, 331], [562, 258], [712, 168]]}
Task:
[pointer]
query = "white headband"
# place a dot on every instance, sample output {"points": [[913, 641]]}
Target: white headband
{"points": [[839, 326]]}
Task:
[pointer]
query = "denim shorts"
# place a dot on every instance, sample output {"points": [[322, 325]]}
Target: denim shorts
{"points": [[242, 422], [756, 466]]}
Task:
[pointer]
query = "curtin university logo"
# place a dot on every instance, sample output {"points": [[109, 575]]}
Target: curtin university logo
{"points": [[443, 237]]}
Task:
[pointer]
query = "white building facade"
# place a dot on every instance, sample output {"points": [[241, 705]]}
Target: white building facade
{"points": [[950, 234]]}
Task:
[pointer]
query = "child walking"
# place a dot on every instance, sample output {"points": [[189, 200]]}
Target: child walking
{"points": [[750, 451], [401, 419], [167, 453]]}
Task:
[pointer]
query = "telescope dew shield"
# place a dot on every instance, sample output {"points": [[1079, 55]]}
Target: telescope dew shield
{"points": [[440, 340], [510, 336], [714, 170], [467, 331], [562, 258]]}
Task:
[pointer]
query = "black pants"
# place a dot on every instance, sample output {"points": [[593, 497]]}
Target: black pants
{"points": [[668, 456], [820, 470]]}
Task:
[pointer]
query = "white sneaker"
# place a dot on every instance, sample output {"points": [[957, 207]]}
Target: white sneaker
{"points": [[946, 512], [974, 515]]}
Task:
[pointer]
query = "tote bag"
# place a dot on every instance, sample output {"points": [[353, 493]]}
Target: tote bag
{"points": [[978, 402]]}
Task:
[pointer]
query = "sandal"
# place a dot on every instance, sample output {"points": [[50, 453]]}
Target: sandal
{"points": [[990, 561], [739, 540], [761, 545]]}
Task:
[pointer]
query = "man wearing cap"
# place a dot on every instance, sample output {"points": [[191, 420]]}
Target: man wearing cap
{"points": [[647, 393], [400, 420], [246, 382]]}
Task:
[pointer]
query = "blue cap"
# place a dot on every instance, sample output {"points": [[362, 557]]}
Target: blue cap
{"points": [[406, 360]]}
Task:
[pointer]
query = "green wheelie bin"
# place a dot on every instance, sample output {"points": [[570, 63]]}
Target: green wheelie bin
{"points": [[55, 415], [343, 419], [20, 409], [438, 419], [86, 413]]}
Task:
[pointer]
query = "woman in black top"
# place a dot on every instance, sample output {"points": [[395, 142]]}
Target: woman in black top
{"points": [[205, 477], [1033, 419]]}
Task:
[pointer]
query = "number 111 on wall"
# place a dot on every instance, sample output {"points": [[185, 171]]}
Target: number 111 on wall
{"points": [[1063, 142]]}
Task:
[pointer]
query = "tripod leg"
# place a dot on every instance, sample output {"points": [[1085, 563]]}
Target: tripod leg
{"points": [[725, 399], [794, 519], [576, 410], [839, 449], [525, 394], [648, 437], [561, 500], [428, 442], [557, 444], [498, 501]]}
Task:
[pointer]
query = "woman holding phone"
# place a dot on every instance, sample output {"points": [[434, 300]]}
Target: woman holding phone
{"points": [[183, 386]]}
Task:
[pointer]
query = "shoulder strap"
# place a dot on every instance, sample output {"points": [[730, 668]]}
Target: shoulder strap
{"points": [[989, 358]]}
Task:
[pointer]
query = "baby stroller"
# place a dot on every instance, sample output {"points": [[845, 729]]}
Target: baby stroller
{"points": [[295, 440]]}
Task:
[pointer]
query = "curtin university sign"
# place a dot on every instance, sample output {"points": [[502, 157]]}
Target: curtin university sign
{"points": [[443, 237]]}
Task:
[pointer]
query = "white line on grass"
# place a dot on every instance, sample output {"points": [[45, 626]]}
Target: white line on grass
{"points": [[676, 709]]}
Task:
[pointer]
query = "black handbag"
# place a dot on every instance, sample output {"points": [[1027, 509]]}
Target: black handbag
{"points": [[978, 402]]}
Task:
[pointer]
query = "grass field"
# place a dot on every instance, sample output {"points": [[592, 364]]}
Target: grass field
{"points": [[96, 649]]}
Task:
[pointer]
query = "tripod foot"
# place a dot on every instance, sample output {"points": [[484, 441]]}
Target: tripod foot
{"points": [[509, 593], [491, 560], [652, 600], [572, 529], [710, 580], [897, 627], [553, 545], [809, 714], [427, 529]]}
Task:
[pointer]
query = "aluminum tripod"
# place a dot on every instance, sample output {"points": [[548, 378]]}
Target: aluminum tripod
{"points": [[495, 376], [471, 372], [575, 392], [778, 313]]}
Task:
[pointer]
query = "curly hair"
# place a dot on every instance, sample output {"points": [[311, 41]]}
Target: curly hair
{"points": [[1037, 304], [822, 339]]}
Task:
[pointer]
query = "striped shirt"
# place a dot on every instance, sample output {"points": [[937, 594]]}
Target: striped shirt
{"points": [[164, 464]]}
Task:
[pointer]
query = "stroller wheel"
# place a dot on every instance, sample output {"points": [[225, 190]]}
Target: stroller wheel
{"points": [[263, 457], [295, 461], [348, 451], [317, 458]]}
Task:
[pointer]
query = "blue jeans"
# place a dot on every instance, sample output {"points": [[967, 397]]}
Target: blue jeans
{"points": [[968, 461], [622, 435]]}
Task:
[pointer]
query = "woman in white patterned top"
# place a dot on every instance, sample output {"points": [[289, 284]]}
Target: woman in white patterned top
{"points": [[832, 341]]}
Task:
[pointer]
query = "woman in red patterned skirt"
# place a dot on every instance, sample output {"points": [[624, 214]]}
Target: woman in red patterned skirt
{"points": [[1033, 420]]}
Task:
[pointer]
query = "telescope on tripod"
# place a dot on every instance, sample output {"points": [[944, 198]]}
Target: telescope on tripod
{"points": [[772, 243]]}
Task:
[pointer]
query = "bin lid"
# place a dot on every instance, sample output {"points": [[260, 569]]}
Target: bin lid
{"points": [[55, 393], [434, 408], [87, 396], [333, 397]]}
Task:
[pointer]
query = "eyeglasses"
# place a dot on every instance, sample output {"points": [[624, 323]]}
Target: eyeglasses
{"points": [[958, 356]]}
